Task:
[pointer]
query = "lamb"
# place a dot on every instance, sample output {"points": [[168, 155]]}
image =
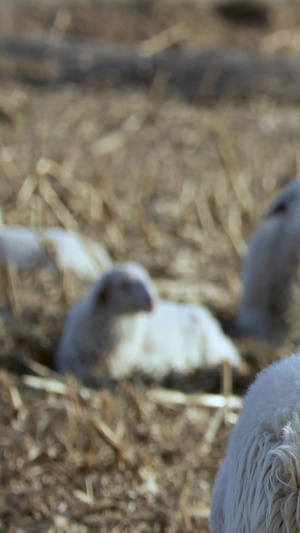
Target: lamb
{"points": [[270, 303], [257, 488], [130, 334], [27, 248]]}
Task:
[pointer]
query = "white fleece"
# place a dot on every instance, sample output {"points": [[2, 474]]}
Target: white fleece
{"points": [[25, 246], [172, 338], [258, 486]]}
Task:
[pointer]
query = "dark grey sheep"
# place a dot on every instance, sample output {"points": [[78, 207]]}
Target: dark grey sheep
{"points": [[270, 302]]}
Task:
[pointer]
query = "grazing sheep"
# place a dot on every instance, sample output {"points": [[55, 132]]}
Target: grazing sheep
{"points": [[258, 486], [27, 248], [270, 303], [108, 325]]}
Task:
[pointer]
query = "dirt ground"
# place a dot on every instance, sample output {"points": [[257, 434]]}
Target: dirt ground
{"points": [[157, 180]]}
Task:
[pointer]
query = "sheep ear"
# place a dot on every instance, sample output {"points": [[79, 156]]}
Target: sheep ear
{"points": [[279, 207]]}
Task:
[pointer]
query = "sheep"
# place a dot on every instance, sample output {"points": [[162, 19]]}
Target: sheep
{"points": [[270, 302], [257, 489], [113, 329], [27, 248], [22, 246]]}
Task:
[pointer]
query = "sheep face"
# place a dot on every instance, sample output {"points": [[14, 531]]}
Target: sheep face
{"points": [[126, 289], [124, 295]]}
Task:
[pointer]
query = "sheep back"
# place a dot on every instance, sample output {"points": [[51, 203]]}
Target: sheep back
{"points": [[271, 272], [175, 338], [257, 488]]}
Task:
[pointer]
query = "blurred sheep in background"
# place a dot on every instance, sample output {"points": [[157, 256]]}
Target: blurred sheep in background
{"points": [[270, 302], [29, 248], [121, 326]]}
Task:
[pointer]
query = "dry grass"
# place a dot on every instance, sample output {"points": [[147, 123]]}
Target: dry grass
{"points": [[178, 188]]}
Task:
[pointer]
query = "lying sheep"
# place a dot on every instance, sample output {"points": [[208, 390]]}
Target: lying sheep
{"points": [[270, 303], [257, 488], [109, 325], [28, 248], [110, 316]]}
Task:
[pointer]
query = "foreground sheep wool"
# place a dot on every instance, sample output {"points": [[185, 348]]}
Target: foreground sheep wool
{"points": [[270, 302], [170, 338], [27, 248], [258, 487]]}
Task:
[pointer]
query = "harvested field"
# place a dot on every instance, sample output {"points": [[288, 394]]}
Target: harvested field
{"points": [[155, 179]]}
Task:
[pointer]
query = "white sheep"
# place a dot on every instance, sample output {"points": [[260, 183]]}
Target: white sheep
{"points": [[172, 337], [271, 273], [258, 486], [27, 248]]}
